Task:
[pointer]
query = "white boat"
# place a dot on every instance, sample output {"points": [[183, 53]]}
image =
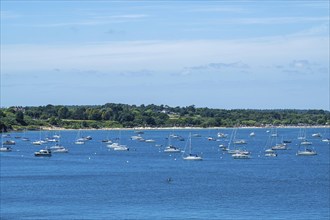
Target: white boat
{"points": [[56, 136], [79, 139], [252, 134], [149, 141], [60, 150], [51, 140], [107, 141], [302, 134], [305, 142], [238, 151], [172, 149], [37, 142], [79, 142], [192, 156], [241, 156], [272, 145], [40, 141], [273, 132], [223, 147], [327, 140], [316, 135], [211, 139], [197, 135], [113, 145], [222, 135], [271, 154], [121, 148], [279, 147], [267, 151], [9, 142], [136, 137], [307, 152], [43, 153], [5, 149], [240, 141]]}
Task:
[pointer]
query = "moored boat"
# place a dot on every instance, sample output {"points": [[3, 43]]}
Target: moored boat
{"points": [[43, 153]]}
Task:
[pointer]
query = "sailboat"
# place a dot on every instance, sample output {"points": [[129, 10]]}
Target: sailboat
{"points": [[306, 151], [118, 146], [302, 134], [191, 156], [269, 151], [39, 142], [79, 139], [2, 148], [237, 153], [24, 138], [171, 148], [58, 148]]}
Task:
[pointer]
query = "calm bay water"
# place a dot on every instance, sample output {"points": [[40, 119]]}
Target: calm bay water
{"points": [[93, 182]]}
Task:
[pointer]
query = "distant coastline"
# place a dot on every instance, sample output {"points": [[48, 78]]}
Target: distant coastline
{"points": [[182, 128], [112, 116]]}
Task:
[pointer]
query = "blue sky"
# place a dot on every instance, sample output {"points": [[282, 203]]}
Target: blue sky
{"points": [[217, 54]]}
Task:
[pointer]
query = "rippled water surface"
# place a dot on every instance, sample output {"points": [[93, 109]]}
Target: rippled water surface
{"points": [[95, 182]]}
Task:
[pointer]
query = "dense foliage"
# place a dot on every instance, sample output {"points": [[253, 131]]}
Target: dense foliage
{"points": [[122, 115]]}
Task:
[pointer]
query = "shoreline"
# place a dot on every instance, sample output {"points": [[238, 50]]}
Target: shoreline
{"points": [[182, 128]]}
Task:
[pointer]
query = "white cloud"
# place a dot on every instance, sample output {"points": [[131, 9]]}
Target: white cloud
{"points": [[171, 56]]}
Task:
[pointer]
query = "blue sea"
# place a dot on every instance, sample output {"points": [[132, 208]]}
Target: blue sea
{"points": [[95, 182]]}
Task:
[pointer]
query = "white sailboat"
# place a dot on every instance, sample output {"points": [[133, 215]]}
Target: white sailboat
{"points": [[79, 139], [302, 134], [305, 148], [270, 150], [39, 142], [192, 156], [171, 148], [306, 151], [4, 149], [118, 146], [237, 152]]}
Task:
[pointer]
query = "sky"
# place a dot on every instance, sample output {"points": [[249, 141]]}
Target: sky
{"points": [[215, 54]]}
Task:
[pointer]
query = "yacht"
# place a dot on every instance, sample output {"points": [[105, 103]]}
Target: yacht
{"points": [[43, 153]]}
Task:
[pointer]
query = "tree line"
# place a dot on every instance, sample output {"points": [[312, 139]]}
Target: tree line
{"points": [[112, 115]]}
